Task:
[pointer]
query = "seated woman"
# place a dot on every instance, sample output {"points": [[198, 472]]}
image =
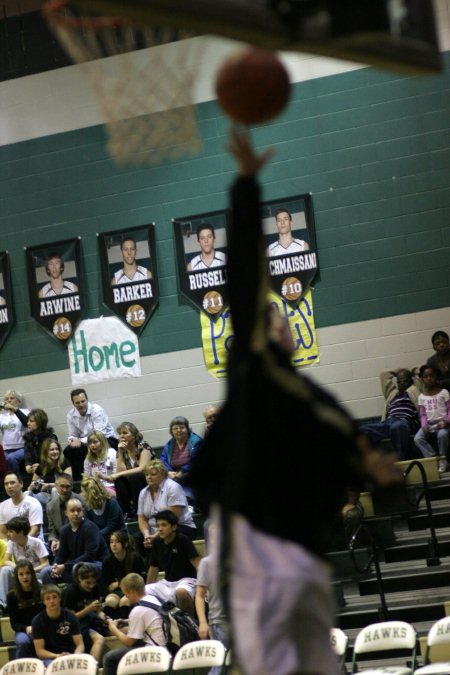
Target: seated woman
{"points": [[37, 432], [178, 453], [52, 463], [102, 508], [162, 493], [133, 453], [121, 561], [101, 460], [23, 603], [83, 598]]}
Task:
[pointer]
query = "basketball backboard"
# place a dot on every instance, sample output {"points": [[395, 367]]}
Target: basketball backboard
{"points": [[394, 34]]}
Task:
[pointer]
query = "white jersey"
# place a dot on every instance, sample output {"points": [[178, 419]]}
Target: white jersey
{"points": [[198, 263], [68, 287], [140, 275], [296, 246]]}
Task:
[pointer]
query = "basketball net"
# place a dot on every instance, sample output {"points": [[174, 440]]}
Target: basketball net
{"points": [[145, 90]]}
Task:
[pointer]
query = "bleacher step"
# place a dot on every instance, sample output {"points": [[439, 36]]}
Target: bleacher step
{"points": [[422, 521], [414, 551], [411, 613], [404, 582]]}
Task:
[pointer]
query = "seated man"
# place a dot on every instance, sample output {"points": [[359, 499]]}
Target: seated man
{"points": [[55, 630], [175, 555], [20, 504], [400, 416], [80, 541], [145, 625], [56, 508]]}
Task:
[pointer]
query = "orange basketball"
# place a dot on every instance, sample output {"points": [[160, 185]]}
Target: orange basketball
{"points": [[252, 86]]}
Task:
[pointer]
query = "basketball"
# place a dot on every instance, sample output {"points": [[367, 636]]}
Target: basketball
{"points": [[135, 315], [291, 288], [252, 86]]}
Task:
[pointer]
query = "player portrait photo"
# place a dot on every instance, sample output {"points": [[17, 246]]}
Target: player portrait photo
{"points": [[201, 251], [291, 251], [6, 312], [129, 274], [54, 285]]}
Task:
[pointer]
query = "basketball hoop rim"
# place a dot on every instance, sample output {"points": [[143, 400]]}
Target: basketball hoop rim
{"points": [[52, 12]]}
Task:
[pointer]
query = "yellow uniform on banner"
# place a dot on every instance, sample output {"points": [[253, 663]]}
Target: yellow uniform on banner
{"points": [[217, 335]]}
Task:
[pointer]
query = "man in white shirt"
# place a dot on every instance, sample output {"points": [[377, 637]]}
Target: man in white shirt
{"points": [[131, 271], [286, 243], [83, 418], [208, 257], [20, 504], [145, 625]]}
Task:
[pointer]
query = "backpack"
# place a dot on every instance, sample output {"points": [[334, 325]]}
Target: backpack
{"points": [[179, 628]]}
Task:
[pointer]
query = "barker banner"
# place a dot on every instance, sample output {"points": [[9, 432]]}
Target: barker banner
{"points": [[103, 349], [288, 226], [6, 313], [129, 274], [55, 286], [217, 336], [201, 246]]}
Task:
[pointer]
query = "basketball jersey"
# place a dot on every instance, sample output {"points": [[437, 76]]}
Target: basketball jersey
{"points": [[197, 263], [68, 287], [296, 246], [140, 275]]}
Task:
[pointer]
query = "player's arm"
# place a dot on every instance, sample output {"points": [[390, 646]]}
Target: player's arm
{"points": [[149, 275], [203, 626], [41, 651], [195, 562], [43, 562]]}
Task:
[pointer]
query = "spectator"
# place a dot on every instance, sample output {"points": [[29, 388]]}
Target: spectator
{"points": [[133, 455], [178, 453], [20, 504], [24, 603], [162, 493], [208, 604], [400, 418], [174, 554], [434, 410], [83, 418], [441, 360], [210, 413], [13, 427], [101, 460], [3, 467], [56, 508], [144, 628], [121, 561], [37, 433], [52, 464], [80, 541], [102, 508], [83, 598], [19, 546], [55, 631]]}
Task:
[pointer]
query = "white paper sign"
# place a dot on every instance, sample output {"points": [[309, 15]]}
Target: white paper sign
{"points": [[103, 349]]}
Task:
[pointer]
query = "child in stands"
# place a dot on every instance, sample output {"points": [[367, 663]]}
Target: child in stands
{"points": [[24, 603], [83, 598], [434, 412]]}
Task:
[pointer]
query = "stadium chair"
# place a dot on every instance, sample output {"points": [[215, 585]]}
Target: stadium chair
{"points": [[339, 644], [439, 634], [381, 638], [199, 654], [75, 664], [145, 660], [28, 665]]}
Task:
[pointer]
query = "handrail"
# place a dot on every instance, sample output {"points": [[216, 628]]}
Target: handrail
{"points": [[433, 545], [374, 557]]}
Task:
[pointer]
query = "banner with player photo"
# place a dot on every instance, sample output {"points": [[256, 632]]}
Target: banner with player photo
{"points": [[6, 310], [201, 249], [129, 274], [55, 286], [217, 336], [290, 236]]}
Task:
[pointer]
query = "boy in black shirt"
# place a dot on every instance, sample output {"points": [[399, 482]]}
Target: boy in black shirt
{"points": [[175, 555], [56, 631]]}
